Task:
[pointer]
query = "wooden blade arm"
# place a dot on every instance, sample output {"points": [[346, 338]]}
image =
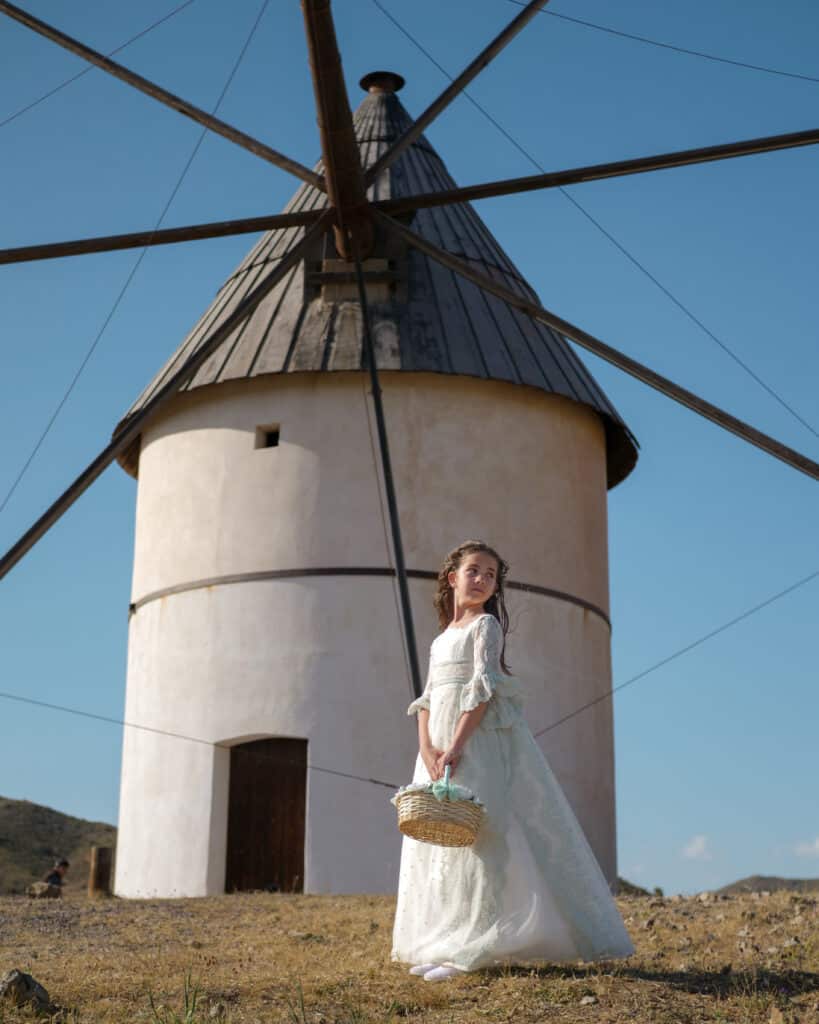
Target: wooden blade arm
{"points": [[455, 88], [596, 172], [135, 425], [158, 93], [165, 236], [470, 193], [611, 355], [344, 179]]}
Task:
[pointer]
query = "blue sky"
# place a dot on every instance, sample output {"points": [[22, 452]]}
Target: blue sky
{"points": [[716, 751]]}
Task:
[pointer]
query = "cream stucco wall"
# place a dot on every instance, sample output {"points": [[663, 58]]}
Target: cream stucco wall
{"points": [[320, 657]]}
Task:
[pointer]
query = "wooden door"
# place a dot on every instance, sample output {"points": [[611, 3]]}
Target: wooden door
{"points": [[268, 787]]}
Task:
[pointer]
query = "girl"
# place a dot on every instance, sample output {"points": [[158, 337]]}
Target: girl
{"points": [[529, 888]]}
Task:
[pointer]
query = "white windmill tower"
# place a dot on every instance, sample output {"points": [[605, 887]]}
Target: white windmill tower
{"points": [[266, 676], [263, 618]]}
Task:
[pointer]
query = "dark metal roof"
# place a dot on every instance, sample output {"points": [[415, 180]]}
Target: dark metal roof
{"points": [[425, 317]]}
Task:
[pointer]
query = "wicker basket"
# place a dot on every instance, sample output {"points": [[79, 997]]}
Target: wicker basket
{"points": [[443, 822]]}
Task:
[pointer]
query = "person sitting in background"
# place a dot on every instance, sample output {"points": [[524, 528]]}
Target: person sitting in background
{"points": [[57, 873]]}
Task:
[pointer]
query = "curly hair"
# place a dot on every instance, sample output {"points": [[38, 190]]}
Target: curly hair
{"points": [[496, 605]]}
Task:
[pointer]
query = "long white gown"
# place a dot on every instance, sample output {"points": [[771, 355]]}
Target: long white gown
{"points": [[529, 888]]}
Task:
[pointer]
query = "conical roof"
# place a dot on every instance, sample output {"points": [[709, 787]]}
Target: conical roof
{"points": [[425, 318]]}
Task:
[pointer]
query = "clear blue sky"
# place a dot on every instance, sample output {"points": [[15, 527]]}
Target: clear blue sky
{"points": [[716, 752]]}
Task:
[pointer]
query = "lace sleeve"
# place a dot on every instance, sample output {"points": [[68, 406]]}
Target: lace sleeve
{"points": [[488, 682], [421, 703], [487, 640]]}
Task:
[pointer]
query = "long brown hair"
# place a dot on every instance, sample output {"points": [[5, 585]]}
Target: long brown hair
{"points": [[444, 600]]}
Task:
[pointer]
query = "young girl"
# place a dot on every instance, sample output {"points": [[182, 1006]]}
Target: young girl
{"points": [[529, 888]]}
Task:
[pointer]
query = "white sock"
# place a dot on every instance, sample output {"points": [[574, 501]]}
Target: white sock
{"points": [[442, 973], [422, 969]]}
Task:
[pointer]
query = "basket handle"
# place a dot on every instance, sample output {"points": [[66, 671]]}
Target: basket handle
{"points": [[440, 789]]}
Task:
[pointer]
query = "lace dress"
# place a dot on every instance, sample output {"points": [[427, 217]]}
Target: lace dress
{"points": [[529, 888]]}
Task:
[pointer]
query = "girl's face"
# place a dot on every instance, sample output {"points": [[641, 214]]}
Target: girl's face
{"points": [[475, 580]]}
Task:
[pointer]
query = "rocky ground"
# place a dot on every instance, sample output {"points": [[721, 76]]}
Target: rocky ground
{"points": [[325, 960]]}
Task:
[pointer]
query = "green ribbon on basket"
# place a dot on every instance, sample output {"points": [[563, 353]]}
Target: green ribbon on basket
{"points": [[442, 790]]}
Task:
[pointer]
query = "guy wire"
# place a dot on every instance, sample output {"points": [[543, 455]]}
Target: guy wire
{"points": [[618, 245], [134, 268], [671, 46], [683, 650], [79, 74], [378, 782]]}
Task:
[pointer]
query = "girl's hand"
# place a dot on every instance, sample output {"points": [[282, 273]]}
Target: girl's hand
{"points": [[430, 756], [449, 757]]}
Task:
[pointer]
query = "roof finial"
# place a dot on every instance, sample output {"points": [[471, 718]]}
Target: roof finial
{"points": [[382, 81]]}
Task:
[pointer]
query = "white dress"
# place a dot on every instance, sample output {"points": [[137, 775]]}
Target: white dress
{"points": [[529, 888]]}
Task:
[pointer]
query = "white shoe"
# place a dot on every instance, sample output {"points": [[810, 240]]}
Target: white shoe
{"points": [[422, 969], [441, 973]]}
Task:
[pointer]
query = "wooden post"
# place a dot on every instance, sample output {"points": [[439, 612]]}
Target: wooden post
{"points": [[389, 485], [343, 177], [99, 875]]}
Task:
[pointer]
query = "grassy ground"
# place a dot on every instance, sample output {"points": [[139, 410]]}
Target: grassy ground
{"points": [[325, 960]]}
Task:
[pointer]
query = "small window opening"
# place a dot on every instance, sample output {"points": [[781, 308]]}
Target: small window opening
{"points": [[267, 437]]}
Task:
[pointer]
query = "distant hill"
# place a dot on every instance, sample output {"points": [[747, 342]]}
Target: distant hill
{"points": [[770, 883], [626, 888], [32, 837]]}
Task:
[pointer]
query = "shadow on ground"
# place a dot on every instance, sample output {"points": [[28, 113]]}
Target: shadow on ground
{"points": [[722, 983]]}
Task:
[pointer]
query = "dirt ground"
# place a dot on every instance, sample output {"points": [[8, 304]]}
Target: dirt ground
{"points": [[270, 957]]}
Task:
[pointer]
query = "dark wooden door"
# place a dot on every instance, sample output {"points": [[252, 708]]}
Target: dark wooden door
{"points": [[268, 787]]}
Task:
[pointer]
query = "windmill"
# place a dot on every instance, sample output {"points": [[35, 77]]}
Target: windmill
{"points": [[367, 232]]}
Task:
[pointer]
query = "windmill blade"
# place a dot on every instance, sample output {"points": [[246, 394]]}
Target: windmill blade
{"points": [[134, 427], [423, 200], [611, 355], [353, 231], [164, 236], [455, 88], [343, 177], [596, 172], [214, 124]]}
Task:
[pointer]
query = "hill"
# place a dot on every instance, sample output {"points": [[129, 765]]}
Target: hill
{"points": [[769, 883], [32, 837], [626, 888]]}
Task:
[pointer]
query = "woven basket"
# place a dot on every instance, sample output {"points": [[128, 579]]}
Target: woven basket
{"points": [[443, 822]]}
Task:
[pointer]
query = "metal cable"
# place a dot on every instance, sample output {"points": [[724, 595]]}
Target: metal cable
{"points": [[621, 248], [676, 49], [378, 782], [134, 268], [609, 694], [176, 735], [73, 78], [681, 651]]}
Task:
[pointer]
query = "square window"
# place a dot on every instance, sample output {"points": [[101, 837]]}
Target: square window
{"points": [[267, 436]]}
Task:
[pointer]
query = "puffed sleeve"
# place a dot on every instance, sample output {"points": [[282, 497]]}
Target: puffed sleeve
{"points": [[421, 703], [488, 682]]}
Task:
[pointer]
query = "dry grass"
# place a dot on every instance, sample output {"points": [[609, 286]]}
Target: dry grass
{"points": [[325, 960]]}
